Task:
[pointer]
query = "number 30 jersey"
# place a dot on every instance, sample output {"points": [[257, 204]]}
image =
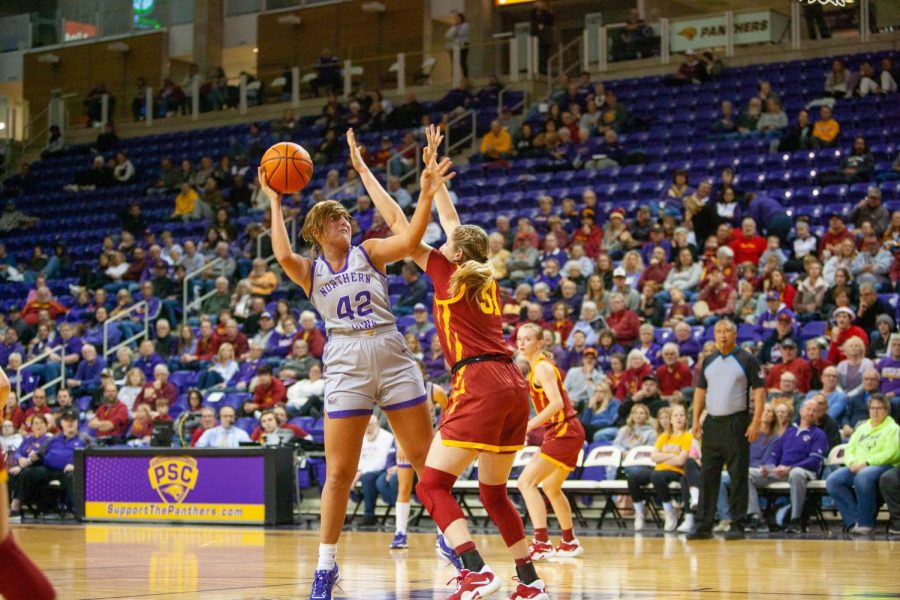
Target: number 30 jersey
{"points": [[354, 298], [466, 326]]}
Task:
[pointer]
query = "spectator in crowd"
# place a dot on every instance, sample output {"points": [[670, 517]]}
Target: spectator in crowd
{"points": [[305, 397], [270, 433], [457, 37], [799, 136], [56, 144], [671, 452], [873, 449], [328, 73], [496, 143], [225, 435], [110, 423], [416, 290], [791, 362], [207, 421], [268, 392], [797, 457], [600, 414], [773, 120], [12, 219], [858, 400], [825, 130], [87, 376], [371, 473], [581, 382], [56, 463], [674, 374], [158, 388], [872, 210], [691, 71], [837, 82], [541, 19]]}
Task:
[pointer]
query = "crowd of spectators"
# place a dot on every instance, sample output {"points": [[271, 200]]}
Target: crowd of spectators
{"points": [[623, 299]]}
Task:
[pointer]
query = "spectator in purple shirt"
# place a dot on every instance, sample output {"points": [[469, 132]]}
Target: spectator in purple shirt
{"points": [[435, 364], [889, 369], [796, 457], [87, 377], [9, 345], [147, 358]]}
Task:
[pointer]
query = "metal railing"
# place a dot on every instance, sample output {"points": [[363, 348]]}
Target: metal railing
{"points": [[188, 306], [521, 104], [291, 224], [557, 64], [137, 307], [41, 357], [470, 137]]}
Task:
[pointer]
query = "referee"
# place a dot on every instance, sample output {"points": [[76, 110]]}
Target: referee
{"points": [[728, 379]]}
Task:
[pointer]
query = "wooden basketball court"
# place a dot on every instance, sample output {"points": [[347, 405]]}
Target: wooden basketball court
{"points": [[183, 562]]}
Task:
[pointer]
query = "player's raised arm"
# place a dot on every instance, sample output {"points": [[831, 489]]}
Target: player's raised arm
{"points": [[446, 211], [405, 244], [384, 203], [297, 267]]}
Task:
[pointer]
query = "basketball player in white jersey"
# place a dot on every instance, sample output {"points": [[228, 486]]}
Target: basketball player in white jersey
{"points": [[366, 360]]}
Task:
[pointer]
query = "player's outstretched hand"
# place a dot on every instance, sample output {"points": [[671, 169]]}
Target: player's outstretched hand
{"points": [[434, 137], [356, 158], [435, 175], [271, 194]]}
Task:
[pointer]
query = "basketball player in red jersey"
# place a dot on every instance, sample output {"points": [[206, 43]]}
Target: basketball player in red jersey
{"points": [[20, 579], [488, 410], [563, 441]]}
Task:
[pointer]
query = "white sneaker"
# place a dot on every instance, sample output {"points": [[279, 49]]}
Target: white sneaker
{"points": [[671, 521], [723, 526], [638, 520], [687, 525]]}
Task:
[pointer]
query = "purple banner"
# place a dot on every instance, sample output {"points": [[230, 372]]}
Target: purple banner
{"points": [[174, 479]]}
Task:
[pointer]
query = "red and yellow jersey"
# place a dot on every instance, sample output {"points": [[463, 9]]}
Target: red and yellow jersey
{"points": [[466, 326], [558, 424]]}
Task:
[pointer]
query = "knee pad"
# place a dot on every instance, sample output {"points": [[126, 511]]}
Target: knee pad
{"points": [[434, 492], [502, 512]]}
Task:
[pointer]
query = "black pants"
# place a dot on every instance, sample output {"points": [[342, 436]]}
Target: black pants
{"points": [[724, 444], [889, 485], [35, 480], [814, 15], [637, 479]]}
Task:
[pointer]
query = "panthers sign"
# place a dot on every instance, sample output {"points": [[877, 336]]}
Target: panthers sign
{"points": [[173, 478]]}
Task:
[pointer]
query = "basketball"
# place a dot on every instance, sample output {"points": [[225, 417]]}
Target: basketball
{"points": [[288, 167]]}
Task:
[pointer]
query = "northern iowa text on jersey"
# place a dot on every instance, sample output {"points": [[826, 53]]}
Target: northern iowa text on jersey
{"points": [[343, 279]]}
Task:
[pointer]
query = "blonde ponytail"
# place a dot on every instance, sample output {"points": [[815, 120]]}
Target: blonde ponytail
{"points": [[476, 272]]}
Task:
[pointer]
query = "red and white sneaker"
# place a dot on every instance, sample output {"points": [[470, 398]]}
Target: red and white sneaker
{"points": [[471, 585], [569, 549], [532, 591], [539, 550]]}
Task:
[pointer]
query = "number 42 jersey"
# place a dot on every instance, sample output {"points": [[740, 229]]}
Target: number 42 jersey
{"points": [[354, 298]]}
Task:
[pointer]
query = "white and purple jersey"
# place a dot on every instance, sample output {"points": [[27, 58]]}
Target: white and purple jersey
{"points": [[352, 299]]}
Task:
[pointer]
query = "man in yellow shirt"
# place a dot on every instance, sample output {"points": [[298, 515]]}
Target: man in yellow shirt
{"points": [[826, 129], [185, 202], [496, 143]]}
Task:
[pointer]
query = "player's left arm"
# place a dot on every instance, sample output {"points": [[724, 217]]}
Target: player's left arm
{"points": [[402, 245], [546, 378]]}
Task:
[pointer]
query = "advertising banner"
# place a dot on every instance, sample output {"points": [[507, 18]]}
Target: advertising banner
{"points": [[202, 489], [709, 32]]}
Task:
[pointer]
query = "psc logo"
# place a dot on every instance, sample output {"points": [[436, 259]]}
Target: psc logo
{"points": [[173, 478]]}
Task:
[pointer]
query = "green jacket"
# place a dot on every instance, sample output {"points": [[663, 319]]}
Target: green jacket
{"points": [[876, 446]]}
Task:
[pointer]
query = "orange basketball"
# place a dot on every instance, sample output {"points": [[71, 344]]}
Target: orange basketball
{"points": [[288, 167]]}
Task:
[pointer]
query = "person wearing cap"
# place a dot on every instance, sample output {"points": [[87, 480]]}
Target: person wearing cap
{"points": [[770, 351], [790, 362], [266, 329], [880, 338], [421, 326], [57, 462], [691, 71], [620, 286], [731, 390], [581, 382], [765, 323], [843, 330], [496, 143], [615, 234]]}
